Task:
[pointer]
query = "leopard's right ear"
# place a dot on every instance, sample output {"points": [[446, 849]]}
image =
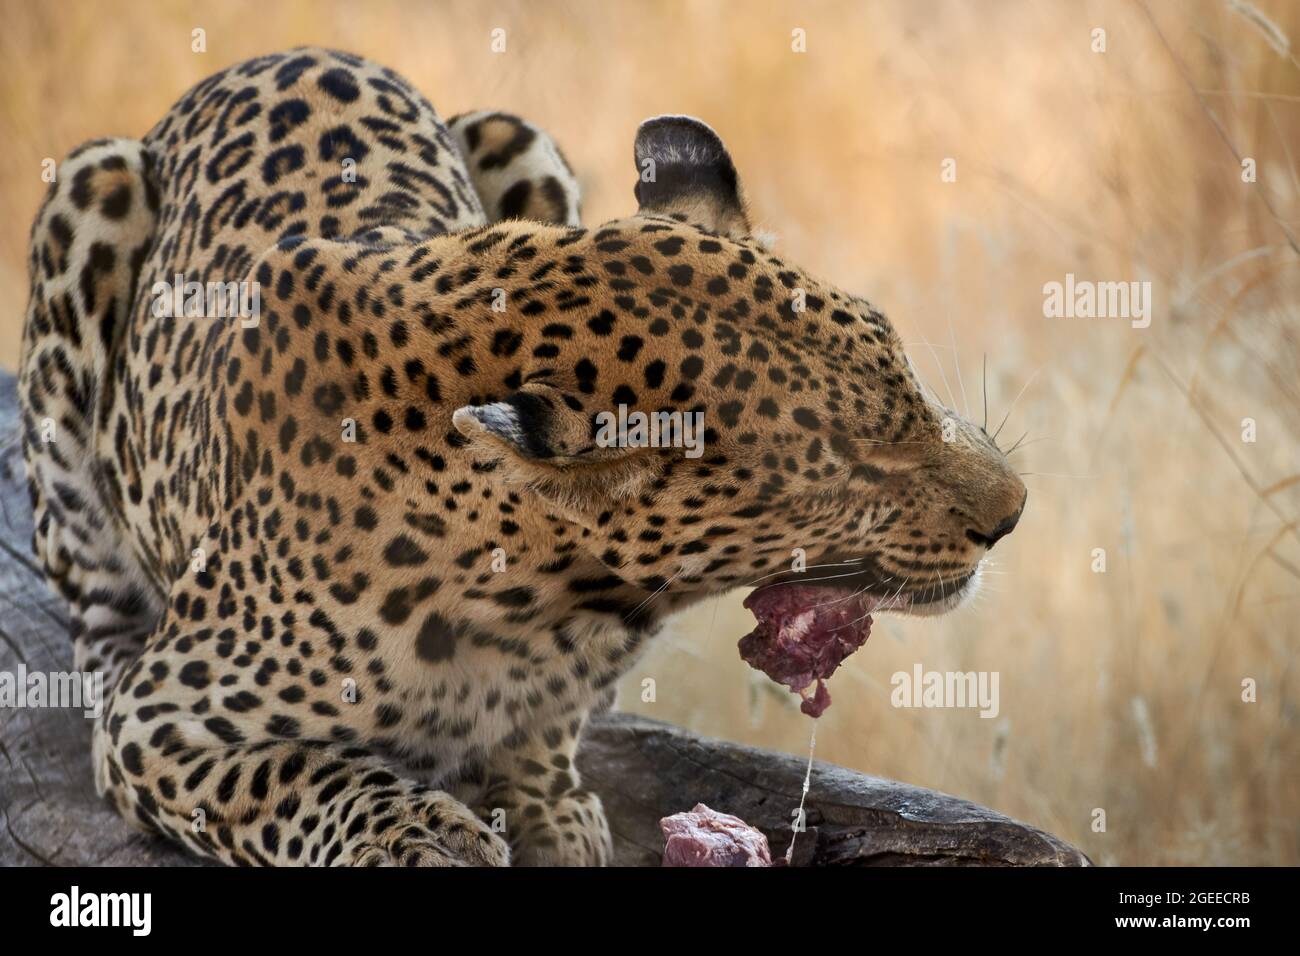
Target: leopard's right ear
{"points": [[548, 441], [535, 424], [684, 171]]}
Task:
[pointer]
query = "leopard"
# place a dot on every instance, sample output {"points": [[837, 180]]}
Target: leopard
{"points": [[354, 561]]}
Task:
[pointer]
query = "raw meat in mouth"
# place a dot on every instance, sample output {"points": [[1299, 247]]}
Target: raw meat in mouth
{"points": [[704, 837], [804, 632]]}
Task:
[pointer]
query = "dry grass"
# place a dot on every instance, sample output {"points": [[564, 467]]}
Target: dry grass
{"points": [[1119, 690]]}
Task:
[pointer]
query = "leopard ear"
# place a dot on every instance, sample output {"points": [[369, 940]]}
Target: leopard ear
{"points": [[548, 441], [538, 423], [684, 171]]}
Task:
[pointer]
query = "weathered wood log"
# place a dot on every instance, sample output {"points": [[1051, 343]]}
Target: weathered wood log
{"points": [[643, 769]]}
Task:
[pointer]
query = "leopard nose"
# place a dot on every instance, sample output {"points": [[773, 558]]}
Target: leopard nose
{"points": [[1003, 528]]}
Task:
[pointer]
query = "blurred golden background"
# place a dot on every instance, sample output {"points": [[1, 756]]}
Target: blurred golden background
{"points": [[1120, 690]]}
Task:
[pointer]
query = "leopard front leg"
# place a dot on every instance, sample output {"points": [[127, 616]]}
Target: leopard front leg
{"points": [[550, 820], [193, 756], [281, 803]]}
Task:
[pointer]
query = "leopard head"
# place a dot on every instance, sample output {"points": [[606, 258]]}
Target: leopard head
{"points": [[712, 417]]}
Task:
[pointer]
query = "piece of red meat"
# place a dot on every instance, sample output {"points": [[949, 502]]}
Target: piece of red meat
{"points": [[804, 631], [704, 837]]}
